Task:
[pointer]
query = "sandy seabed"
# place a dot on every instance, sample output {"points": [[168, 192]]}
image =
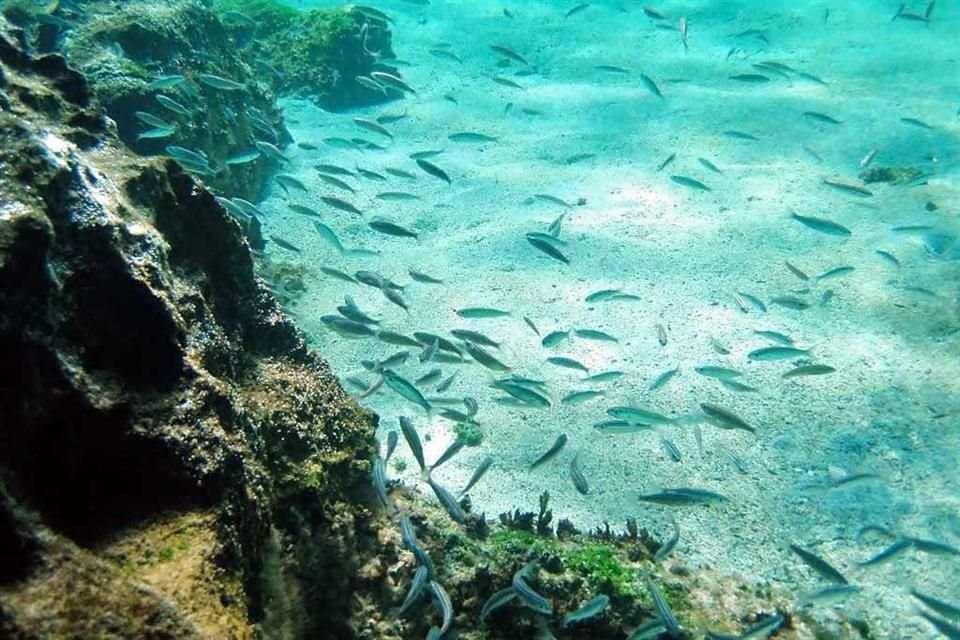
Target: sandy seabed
{"points": [[890, 409]]}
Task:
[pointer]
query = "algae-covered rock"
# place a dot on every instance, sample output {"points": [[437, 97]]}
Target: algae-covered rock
{"points": [[316, 53], [127, 51], [891, 175], [174, 462]]}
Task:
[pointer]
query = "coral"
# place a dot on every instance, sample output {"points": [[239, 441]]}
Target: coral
{"points": [[469, 432]]}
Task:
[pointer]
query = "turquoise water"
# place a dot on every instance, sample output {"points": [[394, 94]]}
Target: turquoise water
{"points": [[848, 82]]}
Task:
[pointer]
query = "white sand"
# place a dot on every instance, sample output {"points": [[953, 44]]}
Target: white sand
{"points": [[891, 408]]}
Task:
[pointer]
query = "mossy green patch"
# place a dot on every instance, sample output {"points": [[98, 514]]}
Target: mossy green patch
{"points": [[600, 564], [469, 432]]}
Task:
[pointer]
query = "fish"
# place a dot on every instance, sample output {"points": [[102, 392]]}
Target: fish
{"points": [[605, 376], [818, 564], [709, 165], [380, 480], [496, 601], [530, 598], [243, 157], [336, 273], [443, 53], [775, 336], [690, 183], [740, 135], [889, 257], [481, 312], [507, 52], [821, 117], [737, 386], [342, 205], [507, 82], [224, 84], [594, 334], [433, 170], [396, 196], [934, 547], [822, 225], [666, 162], [417, 585], [683, 496], [481, 469], [413, 441], [172, 105], [620, 426], [530, 324], [609, 68], [166, 82], [796, 271], [391, 81], [280, 242], [638, 415], [945, 609], [158, 133], [667, 547], [829, 595], [392, 439], [333, 169], [568, 363], [752, 78], [808, 370], [651, 86], [916, 123], [791, 302], [373, 126], [763, 629], [682, 28], [405, 389], [888, 553], [382, 225], [547, 248], [448, 502], [663, 379], [289, 182], [576, 397], [400, 173], [724, 418], [721, 373], [766, 354], [671, 448], [152, 120], [422, 277], [394, 296], [427, 378], [475, 337], [591, 609], [663, 610], [867, 159], [554, 449], [948, 630], [347, 328], [579, 157], [576, 475], [577, 9], [336, 182], [370, 175], [484, 358], [470, 136], [546, 197], [442, 598], [846, 187], [661, 334], [270, 150], [526, 395]]}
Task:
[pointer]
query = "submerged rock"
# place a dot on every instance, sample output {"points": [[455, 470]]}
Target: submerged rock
{"points": [[174, 462]]}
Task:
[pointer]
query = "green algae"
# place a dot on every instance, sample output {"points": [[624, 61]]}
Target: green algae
{"points": [[601, 565]]}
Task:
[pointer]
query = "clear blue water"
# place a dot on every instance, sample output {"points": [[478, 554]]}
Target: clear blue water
{"points": [[889, 327]]}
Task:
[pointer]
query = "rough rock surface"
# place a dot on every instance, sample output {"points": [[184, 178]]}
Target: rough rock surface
{"points": [[173, 461]]}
